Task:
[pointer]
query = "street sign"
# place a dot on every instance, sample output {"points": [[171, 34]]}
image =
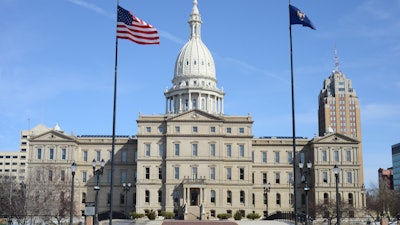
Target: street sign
{"points": [[90, 208]]}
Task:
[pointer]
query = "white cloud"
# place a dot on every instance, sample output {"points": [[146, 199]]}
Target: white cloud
{"points": [[91, 7], [380, 111]]}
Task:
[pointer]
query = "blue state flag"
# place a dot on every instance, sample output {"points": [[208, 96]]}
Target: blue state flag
{"points": [[298, 17]]}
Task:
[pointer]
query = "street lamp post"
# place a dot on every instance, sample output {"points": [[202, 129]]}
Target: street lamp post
{"points": [[97, 174], [336, 171], [126, 187], [304, 175], [267, 189], [71, 211]]}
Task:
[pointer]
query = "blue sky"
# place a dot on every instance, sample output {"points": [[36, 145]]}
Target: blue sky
{"points": [[57, 65]]}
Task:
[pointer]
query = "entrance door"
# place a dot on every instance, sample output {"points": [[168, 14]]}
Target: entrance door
{"points": [[194, 196]]}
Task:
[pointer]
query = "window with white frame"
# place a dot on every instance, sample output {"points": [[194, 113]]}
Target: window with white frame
{"points": [[241, 150], [212, 149]]}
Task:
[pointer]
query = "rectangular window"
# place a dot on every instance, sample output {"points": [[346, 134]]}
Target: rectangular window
{"points": [[228, 151], [177, 129], [228, 130], [264, 176], [148, 129], [85, 156], [229, 173], [123, 157], [349, 178], [84, 176], [212, 173], [290, 178], [290, 157], [159, 196], [161, 129], [51, 155], [241, 150], [212, 129], [212, 149], [277, 178], [147, 149], [264, 157], [325, 177], [194, 173], [277, 158], [348, 156], [98, 156], [63, 154], [147, 196], [241, 130], [229, 197], [194, 149], [176, 173], [39, 153], [160, 173], [212, 196], [324, 158], [147, 173], [161, 150], [194, 129], [123, 176], [336, 155], [176, 149], [242, 198], [241, 173]]}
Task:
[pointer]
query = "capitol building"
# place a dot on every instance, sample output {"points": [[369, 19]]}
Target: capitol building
{"points": [[198, 162]]}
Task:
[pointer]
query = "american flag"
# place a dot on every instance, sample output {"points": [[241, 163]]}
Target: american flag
{"points": [[132, 28]]}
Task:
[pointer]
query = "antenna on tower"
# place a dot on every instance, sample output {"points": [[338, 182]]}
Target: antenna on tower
{"points": [[336, 60]]}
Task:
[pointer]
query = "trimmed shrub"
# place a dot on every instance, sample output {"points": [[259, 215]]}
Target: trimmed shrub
{"points": [[152, 215], [238, 215], [224, 216], [168, 215], [136, 215], [253, 216]]}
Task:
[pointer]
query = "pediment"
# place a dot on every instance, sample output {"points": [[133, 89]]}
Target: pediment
{"points": [[52, 135], [335, 138], [195, 115]]}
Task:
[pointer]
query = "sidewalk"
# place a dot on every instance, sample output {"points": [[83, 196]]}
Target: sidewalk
{"points": [[159, 222]]}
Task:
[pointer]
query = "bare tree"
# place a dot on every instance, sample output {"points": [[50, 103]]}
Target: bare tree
{"points": [[327, 209], [382, 201], [49, 194]]}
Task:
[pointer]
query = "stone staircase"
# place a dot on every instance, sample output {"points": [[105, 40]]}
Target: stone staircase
{"points": [[193, 213]]}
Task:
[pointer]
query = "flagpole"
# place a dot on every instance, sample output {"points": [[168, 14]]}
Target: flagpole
{"points": [[113, 124], [293, 125]]}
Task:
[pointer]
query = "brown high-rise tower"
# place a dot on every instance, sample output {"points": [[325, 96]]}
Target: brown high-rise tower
{"points": [[339, 110]]}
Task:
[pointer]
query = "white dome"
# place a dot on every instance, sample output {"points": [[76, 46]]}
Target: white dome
{"points": [[194, 59], [194, 85]]}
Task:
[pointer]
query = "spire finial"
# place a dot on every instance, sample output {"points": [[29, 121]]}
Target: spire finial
{"points": [[195, 21], [336, 60]]}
